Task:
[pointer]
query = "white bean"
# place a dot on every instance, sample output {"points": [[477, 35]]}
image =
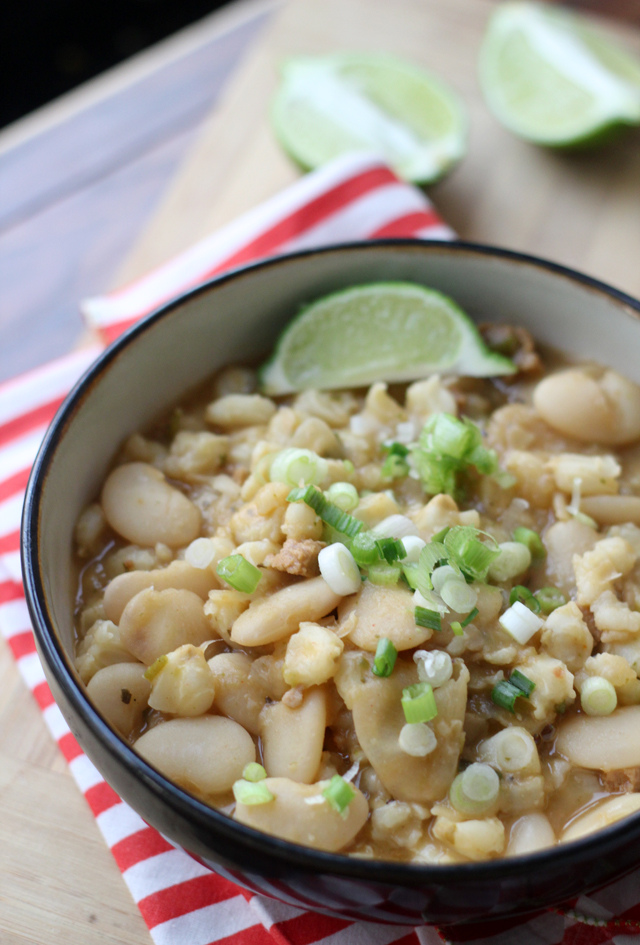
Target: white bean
{"points": [[562, 541], [178, 574], [239, 695], [603, 743], [274, 618], [603, 409], [530, 833], [206, 754], [141, 506], [292, 739], [383, 612], [183, 684], [314, 824], [611, 810], [612, 509], [156, 622], [120, 692]]}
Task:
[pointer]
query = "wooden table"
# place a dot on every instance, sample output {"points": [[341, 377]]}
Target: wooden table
{"points": [[136, 165]]}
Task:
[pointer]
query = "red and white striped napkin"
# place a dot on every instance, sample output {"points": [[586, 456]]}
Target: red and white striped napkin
{"points": [[182, 902]]}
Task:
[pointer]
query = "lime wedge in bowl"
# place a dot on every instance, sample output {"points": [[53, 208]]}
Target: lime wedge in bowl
{"points": [[553, 79], [329, 105], [383, 331]]}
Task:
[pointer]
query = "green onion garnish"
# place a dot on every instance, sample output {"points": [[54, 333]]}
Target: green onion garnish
{"points": [[254, 772], [504, 694], [391, 549], [419, 703], [550, 598], [524, 595], [526, 536], [472, 555], [239, 573], [251, 793], [364, 549], [428, 618], [458, 625], [447, 449], [294, 466], [598, 696], [385, 658], [475, 790], [395, 467], [522, 682], [344, 495], [342, 522], [395, 449], [339, 794], [156, 667], [384, 575], [410, 573]]}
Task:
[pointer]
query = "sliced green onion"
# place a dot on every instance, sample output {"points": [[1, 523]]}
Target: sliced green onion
{"points": [[472, 555], [520, 622], [513, 749], [395, 449], [410, 573], [550, 598], [364, 549], [449, 436], [342, 522], [419, 703], [522, 682], [514, 559], [532, 540], [598, 696], [339, 794], [297, 467], [458, 595], [428, 618], [156, 667], [252, 793], [524, 595], [413, 546], [254, 772], [339, 569], [458, 625], [344, 495], [391, 549], [434, 667], [417, 739], [239, 573], [476, 790], [431, 556], [385, 658], [394, 467], [384, 575], [441, 535], [504, 694]]}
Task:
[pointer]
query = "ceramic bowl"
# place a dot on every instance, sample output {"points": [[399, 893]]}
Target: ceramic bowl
{"points": [[236, 318]]}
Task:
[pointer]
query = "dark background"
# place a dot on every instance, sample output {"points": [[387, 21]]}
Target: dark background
{"points": [[49, 46]]}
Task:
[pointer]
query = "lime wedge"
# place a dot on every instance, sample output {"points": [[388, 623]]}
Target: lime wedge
{"points": [[385, 331], [329, 105], [553, 79]]}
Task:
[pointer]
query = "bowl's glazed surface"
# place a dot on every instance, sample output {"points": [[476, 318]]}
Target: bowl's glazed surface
{"points": [[237, 318]]}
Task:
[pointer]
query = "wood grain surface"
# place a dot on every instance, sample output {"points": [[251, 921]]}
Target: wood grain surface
{"points": [[579, 209], [58, 882]]}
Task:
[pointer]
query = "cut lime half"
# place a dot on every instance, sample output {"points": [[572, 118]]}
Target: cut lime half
{"points": [[553, 79], [385, 331], [330, 105]]}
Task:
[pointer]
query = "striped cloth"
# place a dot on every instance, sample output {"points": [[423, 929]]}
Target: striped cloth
{"points": [[182, 902]]}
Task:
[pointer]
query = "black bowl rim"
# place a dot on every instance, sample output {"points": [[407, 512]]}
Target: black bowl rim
{"points": [[603, 843]]}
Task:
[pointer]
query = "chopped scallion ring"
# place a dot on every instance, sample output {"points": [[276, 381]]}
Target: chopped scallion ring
{"points": [[254, 772], [341, 521], [339, 569], [419, 703], [239, 573], [339, 794], [458, 625], [364, 549], [472, 555], [252, 793], [385, 658], [550, 598], [413, 546], [522, 682], [297, 467], [532, 540], [344, 495], [524, 595], [417, 739], [514, 559], [504, 694], [391, 549], [598, 696], [434, 667], [520, 622], [428, 618], [384, 575], [476, 790]]}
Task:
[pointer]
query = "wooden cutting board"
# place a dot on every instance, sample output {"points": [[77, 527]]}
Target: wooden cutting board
{"points": [[580, 209]]}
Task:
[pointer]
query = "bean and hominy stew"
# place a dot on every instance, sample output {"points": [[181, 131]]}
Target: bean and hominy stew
{"points": [[401, 623]]}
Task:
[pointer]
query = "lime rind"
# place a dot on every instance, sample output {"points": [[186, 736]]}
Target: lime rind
{"points": [[326, 106], [387, 331], [552, 79]]}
